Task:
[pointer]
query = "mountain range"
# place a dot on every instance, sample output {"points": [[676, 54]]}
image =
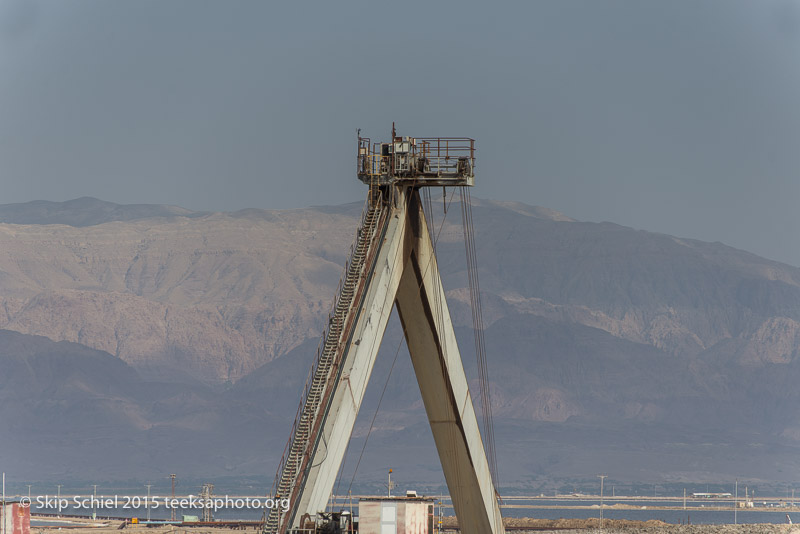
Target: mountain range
{"points": [[142, 340]]}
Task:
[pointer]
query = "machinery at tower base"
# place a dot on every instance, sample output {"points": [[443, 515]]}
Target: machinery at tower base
{"points": [[392, 263]]}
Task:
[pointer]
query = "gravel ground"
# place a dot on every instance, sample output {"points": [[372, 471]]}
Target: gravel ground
{"points": [[591, 526], [764, 528], [538, 526]]}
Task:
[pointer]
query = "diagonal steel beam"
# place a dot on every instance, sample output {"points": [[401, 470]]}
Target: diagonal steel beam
{"points": [[404, 272], [437, 363], [350, 379]]}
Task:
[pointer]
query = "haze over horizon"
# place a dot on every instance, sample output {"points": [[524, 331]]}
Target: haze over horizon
{"points": [[673, 117], [649, 357]]}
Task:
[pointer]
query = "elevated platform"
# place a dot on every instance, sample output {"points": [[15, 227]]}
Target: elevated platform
{"points": [[417, 161]]}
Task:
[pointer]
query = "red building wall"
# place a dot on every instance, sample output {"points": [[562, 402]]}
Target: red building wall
{"points": [[17, 519]]}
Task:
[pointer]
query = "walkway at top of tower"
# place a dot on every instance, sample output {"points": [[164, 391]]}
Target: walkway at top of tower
{"points": [[418, 161]]}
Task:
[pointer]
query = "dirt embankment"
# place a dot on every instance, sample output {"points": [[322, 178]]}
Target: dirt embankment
{"points": [[622, 526], [514, 525], [762, 528]]}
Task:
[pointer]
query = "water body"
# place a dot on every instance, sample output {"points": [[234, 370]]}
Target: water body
{"points": [[697, 511], [42, 523], [695, 515]]}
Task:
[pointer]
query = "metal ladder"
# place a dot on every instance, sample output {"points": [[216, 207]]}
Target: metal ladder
{"points": [[329, 353]]}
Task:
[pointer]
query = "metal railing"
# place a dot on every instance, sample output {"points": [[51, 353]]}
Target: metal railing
{"points": [[416, 157], [447, 155]]}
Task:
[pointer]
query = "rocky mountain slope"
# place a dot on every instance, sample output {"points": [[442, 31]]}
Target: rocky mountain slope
{"points": [[213, 296], [217, 295], [610, 349], [74, 412]]}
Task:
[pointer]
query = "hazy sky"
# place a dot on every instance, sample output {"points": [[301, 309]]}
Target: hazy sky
{"points": [[675, 116]]}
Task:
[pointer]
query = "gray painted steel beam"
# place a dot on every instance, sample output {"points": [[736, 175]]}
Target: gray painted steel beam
{"points": [[440, 373], [406, 272], [356, 368]]}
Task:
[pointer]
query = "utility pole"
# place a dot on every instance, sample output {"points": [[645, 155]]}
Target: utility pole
{"points": [[441, 515], [147, 502], [206, 494], [736, 502], [352, 517], [602, 478], [390, 484], [172, 476], [29, 494]]}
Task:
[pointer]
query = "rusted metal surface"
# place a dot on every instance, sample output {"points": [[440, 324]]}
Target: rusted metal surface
{"points": [[405, 515], [423, 161], [16, 519]]}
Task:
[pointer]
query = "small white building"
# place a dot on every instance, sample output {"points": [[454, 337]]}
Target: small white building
{"points": [[395, 515]]}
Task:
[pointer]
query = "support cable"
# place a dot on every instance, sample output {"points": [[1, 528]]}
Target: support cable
{"points": [[478, 331]]}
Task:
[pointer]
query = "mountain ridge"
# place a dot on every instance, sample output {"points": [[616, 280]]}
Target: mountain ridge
{"points": [[592, 329], [85, 211]]}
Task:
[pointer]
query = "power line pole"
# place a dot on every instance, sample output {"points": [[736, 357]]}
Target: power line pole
{"points": [[390, 484], [147, 502], [172, 476], [206, 494], [602, 478]]}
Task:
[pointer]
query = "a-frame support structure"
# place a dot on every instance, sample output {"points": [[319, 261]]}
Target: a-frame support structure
{"points": [[393, 263]]}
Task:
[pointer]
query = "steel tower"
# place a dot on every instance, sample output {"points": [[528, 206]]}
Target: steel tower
{"points": [[392, 263]]}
